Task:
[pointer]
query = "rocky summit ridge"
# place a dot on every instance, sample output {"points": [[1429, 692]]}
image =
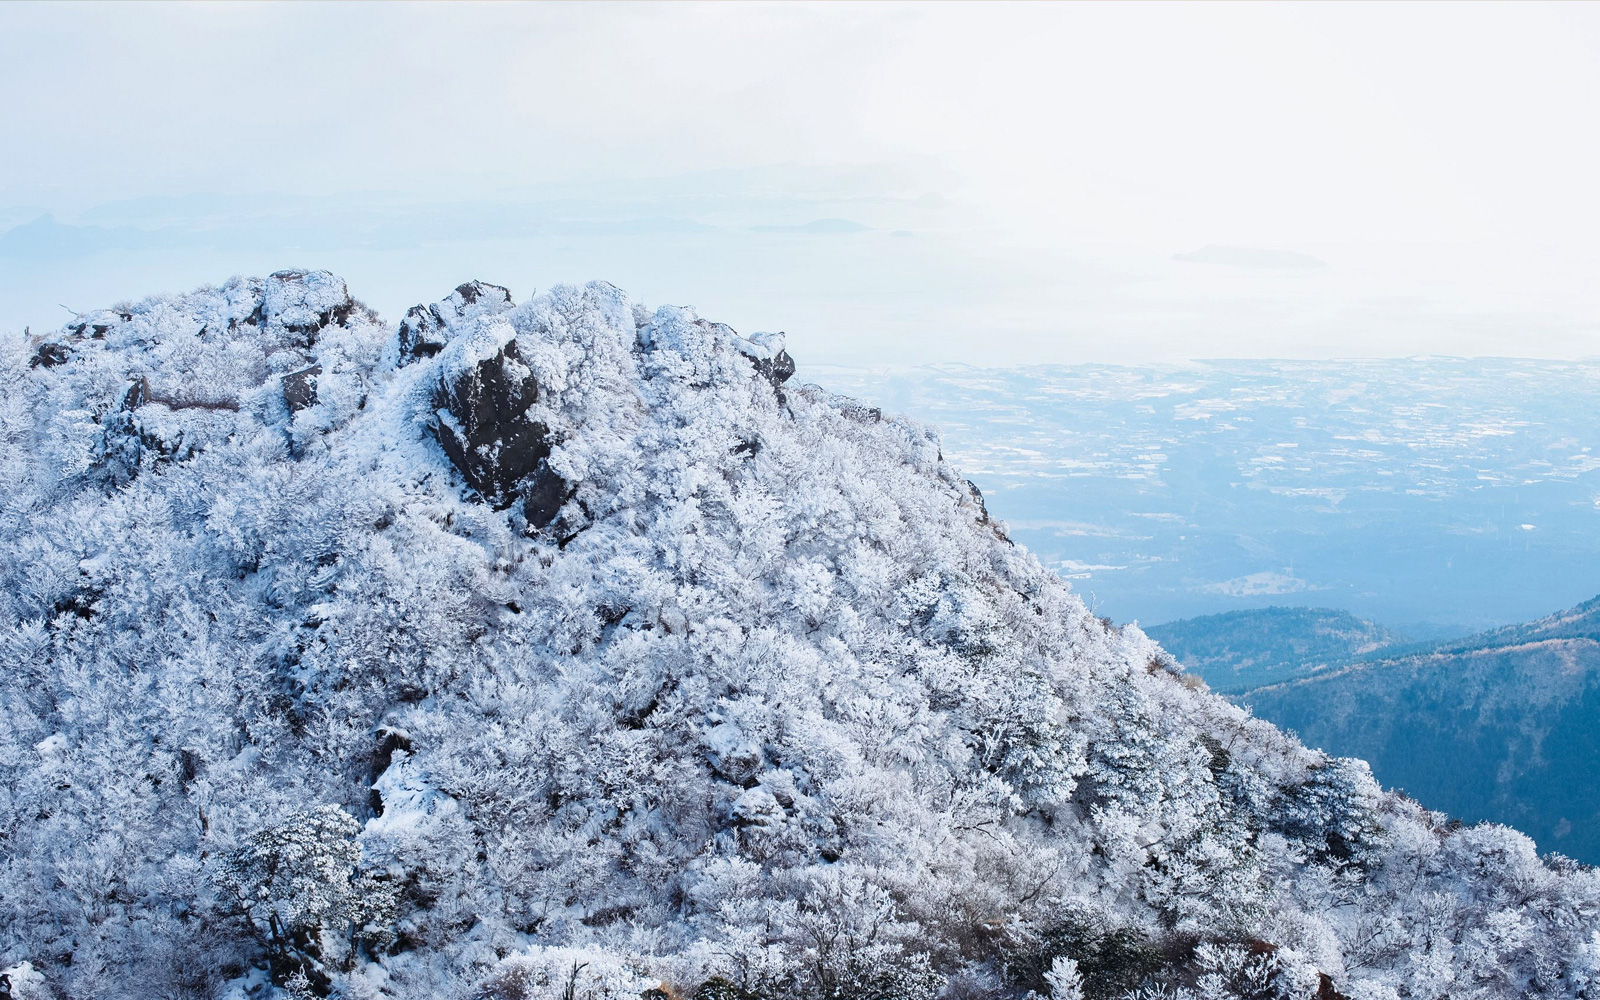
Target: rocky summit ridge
{"points": [[572, 649]]}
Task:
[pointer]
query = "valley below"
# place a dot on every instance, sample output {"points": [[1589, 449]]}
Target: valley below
{"points": [[1498, 726]]}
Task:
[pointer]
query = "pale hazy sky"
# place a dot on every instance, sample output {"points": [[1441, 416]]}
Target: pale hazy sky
{"points": [[1020, 177]]}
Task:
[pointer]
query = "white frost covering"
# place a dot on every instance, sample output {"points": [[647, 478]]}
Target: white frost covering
{"points": [[764, 346], [303, 298], [409, 801], [456, 311], [769, 710], [565, 973], [758, 807], [26, 982]]}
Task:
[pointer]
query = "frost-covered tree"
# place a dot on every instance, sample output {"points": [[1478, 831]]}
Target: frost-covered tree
{"points": [[298, 887]]}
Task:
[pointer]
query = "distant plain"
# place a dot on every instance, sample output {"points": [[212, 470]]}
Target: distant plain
{"points": [[1435, 496]]}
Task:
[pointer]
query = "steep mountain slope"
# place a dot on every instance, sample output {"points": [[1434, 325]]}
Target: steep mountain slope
{"points": [[1239, 650], [1498, 726], [568, 649]]}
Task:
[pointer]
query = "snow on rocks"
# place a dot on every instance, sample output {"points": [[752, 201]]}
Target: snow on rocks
{"points": [[407, 799], [426, 329], [758, 807], [482, 404], [734, 755], [303, 302], [772, 360], [300, 388], [23, 982]]}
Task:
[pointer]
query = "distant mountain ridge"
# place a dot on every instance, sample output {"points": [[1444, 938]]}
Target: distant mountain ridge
{"points": [[1579, 622], [1239, 650], [1496, 726]]}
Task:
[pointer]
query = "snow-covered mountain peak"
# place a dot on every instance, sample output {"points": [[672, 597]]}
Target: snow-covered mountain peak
{"points": [[571, 648]]}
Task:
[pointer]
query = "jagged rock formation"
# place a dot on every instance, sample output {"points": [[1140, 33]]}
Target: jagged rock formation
{"points": [[571, 649], [426, 330], [484, 428]]}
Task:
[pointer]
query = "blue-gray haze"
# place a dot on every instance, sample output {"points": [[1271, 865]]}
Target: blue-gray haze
{"points": [[1437, 496]]}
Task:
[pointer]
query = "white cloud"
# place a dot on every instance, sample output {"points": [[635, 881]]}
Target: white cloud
{"points": [[1264, 584]]}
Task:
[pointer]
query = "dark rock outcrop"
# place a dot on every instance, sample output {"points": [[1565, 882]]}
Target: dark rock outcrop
{"points": [[137, 395], [1325, 990], [484, 428], [777, 369], [543, 494], [426, 330], [50, 355], [422, 334], [388, 741], [977, 498], [766, 352], [300, 388], [492, 299]]}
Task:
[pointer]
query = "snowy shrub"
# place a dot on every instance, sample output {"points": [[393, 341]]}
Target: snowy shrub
{"points": [[297, 886], [1064, 981], [1334, 810], [564, 974], [1229, 971]]}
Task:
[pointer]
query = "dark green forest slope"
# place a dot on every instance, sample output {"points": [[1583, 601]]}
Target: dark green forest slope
{"points": [[1498, 726], [1239, 650]]}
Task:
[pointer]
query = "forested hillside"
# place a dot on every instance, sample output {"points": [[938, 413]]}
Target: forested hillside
{"points": [[1239, 650], [1498, 726]]}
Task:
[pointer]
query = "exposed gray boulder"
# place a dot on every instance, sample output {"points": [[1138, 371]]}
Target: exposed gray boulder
{"points": [[772, 361], [300, 388], [778, 370]]}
